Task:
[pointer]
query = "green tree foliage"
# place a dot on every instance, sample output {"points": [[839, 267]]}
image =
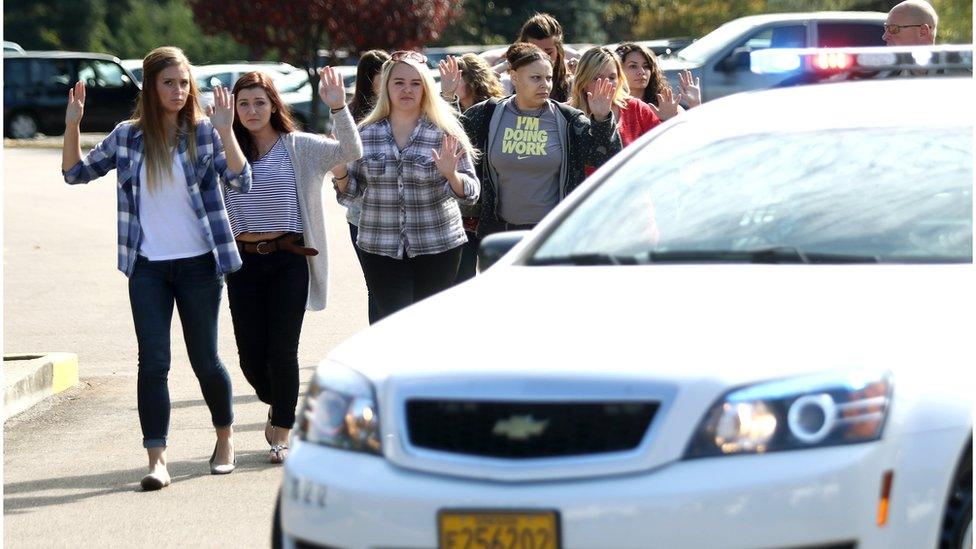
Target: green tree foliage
{"points": [[498, 21], [600, 21], [124, 28], [147, 25]]}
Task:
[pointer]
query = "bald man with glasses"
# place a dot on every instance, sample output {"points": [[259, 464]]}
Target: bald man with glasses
{"points": [[911, 23]]}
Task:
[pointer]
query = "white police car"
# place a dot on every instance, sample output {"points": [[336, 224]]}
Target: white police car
{"points": [[752, 328]]}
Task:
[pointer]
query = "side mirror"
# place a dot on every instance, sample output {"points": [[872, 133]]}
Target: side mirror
{"points": [[494, 246], [738, 60]]}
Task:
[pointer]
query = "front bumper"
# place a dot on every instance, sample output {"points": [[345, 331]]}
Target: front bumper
{"points": [[791, 499]]}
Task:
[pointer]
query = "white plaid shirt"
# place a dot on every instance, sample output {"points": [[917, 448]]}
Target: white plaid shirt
{"points": [[123, 150], [408, 207]]}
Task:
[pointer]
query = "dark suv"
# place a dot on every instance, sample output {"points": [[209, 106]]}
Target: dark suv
{"points": [[36, 84]]}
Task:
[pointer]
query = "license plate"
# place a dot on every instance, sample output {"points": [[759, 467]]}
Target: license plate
{"points": [[498, 530]]}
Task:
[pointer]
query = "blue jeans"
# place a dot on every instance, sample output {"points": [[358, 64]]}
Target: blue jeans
{"points": [[194, 285]]}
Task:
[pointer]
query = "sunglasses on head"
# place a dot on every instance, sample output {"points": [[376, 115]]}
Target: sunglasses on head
{"points": [[407, 55], [895, 29]]}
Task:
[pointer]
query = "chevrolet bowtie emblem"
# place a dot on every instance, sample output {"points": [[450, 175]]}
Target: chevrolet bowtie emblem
{"points": [[519, 427]]}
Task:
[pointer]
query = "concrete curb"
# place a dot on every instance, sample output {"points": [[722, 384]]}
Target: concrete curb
{"points": [[30, 378]]}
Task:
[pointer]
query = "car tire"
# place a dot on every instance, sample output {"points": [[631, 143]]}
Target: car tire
{"points": [[957, 522], [22, 125]]}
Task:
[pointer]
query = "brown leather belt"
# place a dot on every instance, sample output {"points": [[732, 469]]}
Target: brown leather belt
{"points": [[285, 243]]}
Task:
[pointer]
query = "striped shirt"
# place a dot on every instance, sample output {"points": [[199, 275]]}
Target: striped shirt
{"points": [[271, 205], [409, 208]]}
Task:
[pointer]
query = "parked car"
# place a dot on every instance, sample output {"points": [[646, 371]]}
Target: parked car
{"points": [[662, 47], [226, 74], [721, 58], [751, 328], [134, 66], [35, 91]]}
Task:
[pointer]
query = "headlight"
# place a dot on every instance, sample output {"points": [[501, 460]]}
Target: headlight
{"points": [[340, 410], [806, 412]]}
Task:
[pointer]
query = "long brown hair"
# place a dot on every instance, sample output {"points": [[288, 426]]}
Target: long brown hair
{"points": [[656, 82], [281, 119], [481, 80], [368, 70], [150, 117], [539, 27]]}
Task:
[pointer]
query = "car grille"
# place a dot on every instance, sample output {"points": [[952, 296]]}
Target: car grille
{"points": [[521, 429]]}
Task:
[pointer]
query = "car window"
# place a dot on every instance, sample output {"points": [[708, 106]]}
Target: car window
{"points": [[15, 72], [51, 72], [838, 35], [789, 36], [101, 74], [207, 82], [885, 195]]}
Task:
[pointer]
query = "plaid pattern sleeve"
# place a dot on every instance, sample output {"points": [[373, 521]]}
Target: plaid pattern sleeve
{"points": [[237, 181], [99, 161], [123, 150], [409, 208]]}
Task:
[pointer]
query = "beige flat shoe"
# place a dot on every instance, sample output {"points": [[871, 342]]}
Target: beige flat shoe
{"points": [[156, 480]]}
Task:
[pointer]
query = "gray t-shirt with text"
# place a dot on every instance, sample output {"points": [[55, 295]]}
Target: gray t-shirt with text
{"points": [[526, 153]]}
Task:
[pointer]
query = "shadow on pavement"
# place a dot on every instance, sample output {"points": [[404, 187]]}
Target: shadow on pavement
{"points": [[112, 482]]}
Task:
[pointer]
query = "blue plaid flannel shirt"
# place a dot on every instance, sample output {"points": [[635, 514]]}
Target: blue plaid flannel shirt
{"points": [[123, 151]]}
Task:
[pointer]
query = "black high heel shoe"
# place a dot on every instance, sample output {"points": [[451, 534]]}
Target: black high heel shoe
{"points": [[221, 469]]}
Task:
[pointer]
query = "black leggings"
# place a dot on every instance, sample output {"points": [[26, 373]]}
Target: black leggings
{"points": [[398, 283], [267, 304]]}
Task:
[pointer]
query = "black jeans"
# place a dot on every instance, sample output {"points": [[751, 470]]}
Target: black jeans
{"points": [[399, 283], [372, 311], [468, 266], [267, 305], [194, 285]]}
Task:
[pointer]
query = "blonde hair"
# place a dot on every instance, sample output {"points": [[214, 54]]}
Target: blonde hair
{"points": [[432, 106], [589, 67], [150, 117]]}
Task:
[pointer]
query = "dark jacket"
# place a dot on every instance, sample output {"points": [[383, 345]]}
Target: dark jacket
{"points": [[590, 144]]}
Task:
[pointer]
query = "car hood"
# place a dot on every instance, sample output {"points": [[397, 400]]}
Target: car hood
{"points": [[730, 324], [676, 64]]}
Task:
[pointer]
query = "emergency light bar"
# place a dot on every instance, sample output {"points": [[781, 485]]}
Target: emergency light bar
{"points": [[836, 60]]}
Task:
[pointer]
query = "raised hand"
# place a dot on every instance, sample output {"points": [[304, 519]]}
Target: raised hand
{"points": [[76, 105], [601, 99], [667, 104], [221, 113], [331, 89], [447, 159], [450, 77], [690, 88]]}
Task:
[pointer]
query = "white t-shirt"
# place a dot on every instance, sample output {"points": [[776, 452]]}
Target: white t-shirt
{"points": [[170, 228]]}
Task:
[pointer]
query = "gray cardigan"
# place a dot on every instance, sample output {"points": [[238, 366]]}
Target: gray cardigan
{"points": [[312, 156]]}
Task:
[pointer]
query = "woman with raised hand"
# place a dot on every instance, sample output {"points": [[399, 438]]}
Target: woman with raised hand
{"points": [[368, 81], [535, 148], [416, 167], [175, 240], [634, 117], [468, 81], [646, 81], [280, 230]]}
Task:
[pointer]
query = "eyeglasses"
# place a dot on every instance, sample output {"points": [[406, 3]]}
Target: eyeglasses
{"points": [[407, 55], [895, 29]]}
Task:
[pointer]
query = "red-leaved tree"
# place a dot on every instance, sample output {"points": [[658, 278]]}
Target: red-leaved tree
{"points": [[297, 29]]}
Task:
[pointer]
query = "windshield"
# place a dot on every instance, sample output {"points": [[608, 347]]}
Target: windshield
{"points": [[852, 195], [704, 48]]}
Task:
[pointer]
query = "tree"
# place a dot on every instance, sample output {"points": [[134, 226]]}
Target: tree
{"points": [[297, 29]]}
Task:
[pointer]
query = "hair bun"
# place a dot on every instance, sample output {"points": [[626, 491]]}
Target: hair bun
{"points": [[520, 54]]}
